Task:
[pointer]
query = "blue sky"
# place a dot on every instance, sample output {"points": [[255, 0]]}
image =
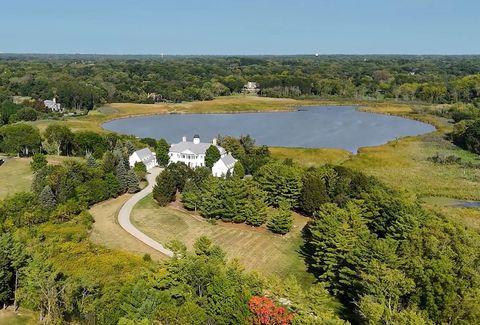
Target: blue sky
{"points": [[240, 27]]}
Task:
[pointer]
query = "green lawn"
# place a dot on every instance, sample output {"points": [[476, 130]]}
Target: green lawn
{"points": [[256, 248], [16, 175], [22, 317]]}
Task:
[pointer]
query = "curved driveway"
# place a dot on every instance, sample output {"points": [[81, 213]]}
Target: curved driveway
{"points": [[126, 211]]}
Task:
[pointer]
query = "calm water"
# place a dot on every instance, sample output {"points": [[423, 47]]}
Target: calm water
{"points": [[312, 127]]}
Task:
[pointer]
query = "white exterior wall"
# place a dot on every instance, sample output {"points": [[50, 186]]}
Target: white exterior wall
{"points": [[190, 159], [219, 169], [134, 159]]}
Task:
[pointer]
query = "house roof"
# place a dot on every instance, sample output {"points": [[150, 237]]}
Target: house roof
{"points": [[193, 148], [228, 160], [145, 155]]}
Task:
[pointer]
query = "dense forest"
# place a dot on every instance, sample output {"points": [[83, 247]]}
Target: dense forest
{"points": [[86, 81]]}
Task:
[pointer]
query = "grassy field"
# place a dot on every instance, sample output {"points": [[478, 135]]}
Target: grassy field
{"points": [[107, 232], [404, 165], [256, 248], [22, 317], [16, 175], [311, 156]]}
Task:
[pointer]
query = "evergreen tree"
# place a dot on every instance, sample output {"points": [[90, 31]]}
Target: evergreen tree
{"points": [[108, 162], [113, 186], [281, 183], [47, 198], [130, 148], [234, 200], [90, 160], [191, 195], [314, 192], [165, 188], [140, 170], [161, 152], [132, 182], [238, 170], [38, 162], [211, 200], [281, 221], [121, 174], [212, 155], [255, 209]]}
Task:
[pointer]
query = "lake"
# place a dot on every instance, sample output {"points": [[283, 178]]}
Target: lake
{"points": [[308, 127]]}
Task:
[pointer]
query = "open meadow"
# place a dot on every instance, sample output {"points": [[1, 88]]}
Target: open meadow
{"points": [[16, 174]]}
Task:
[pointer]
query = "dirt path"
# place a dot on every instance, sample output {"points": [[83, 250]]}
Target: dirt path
{"points": [[126, 210]]}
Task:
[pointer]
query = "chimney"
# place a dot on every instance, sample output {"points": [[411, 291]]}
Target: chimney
{"points": [[184, 139], [214, 141], [196, 139]]}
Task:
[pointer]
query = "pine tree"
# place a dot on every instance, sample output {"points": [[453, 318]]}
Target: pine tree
{"points": [[121, 174], [130, 147], [108, 162], [47, 198], [161, 152], [234, 200], [281, 221], [91, 162], [238, 170], [132, 182], [112, 185], [280, 182], [165, 189], [38, 162]]}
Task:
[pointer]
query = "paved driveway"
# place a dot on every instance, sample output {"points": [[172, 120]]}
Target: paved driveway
{"points": [[126, 211]]}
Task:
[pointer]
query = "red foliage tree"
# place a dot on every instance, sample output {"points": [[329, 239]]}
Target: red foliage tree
{"points": [[267, 313]]}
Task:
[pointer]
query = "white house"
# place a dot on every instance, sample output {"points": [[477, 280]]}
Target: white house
{"points": [[224, 166], [193, 155], [53, 105], [251, 88], [144, 155]]}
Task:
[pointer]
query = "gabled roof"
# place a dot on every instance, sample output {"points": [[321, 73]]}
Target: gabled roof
{"points": [[228, 161], [145, 155], [195, 148]]}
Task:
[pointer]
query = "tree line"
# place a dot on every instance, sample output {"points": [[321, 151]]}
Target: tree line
{"points": [[384, 257], [85, 82]]}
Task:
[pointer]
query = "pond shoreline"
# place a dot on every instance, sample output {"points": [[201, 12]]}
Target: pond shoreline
{"points": [[355, 125]]}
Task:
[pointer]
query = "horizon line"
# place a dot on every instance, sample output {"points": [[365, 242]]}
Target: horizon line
{"points": [[243, 55]]}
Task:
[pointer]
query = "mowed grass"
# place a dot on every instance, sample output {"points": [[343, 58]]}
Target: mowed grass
{"points": [[16, 174], [21, 317], [107, 232], [309, 157], [256, 248]]}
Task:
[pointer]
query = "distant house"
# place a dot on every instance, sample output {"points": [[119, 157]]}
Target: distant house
{"points": [[192, 153], [144, 155], [251, 88], [53, 105], [224, 166]]}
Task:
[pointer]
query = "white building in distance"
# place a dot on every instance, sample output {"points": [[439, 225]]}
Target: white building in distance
{"points": [[251, 88], [144, 155], [53, 105], [193, 155]]}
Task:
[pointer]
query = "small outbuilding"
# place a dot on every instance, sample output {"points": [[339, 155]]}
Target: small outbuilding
{"points": [[224, 166], [144, 155]]}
